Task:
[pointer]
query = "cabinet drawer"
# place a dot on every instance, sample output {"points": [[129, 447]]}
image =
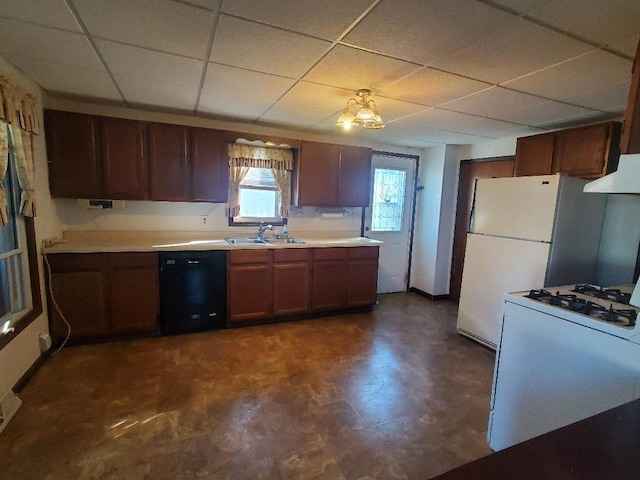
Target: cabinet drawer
{"points": [[65, 262], [147, 259], [363, 252], [333, 253], [291, 255], [249, 256]]}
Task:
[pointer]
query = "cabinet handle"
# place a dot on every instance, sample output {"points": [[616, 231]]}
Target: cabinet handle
{"points": [[193, 262]]}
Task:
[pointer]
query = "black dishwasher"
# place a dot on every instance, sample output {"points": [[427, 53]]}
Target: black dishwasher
{"points": [[193, 291]]}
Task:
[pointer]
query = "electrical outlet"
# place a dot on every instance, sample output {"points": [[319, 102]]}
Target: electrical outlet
{"points": [[204, 219]]}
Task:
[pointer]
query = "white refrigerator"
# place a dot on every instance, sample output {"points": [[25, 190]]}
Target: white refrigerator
{"points": [[525, 233]]}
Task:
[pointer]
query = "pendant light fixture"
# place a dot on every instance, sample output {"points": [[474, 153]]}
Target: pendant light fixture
{"points": [[366, 116]]}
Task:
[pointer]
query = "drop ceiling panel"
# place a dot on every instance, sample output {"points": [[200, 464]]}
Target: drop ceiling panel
{"points": [[586, 119], [521, 6], [311, 95], [52, 13], [325, 19], [147, 65], [546, 112], [442, 120], [587, 72], [612, 98], [599, 21], [494, 102], [208, 4], [282, 114], [234, 92], [390, 109], [18, 39], [626, 46], [69, 79], [264, 48], [517, 49], [347, 67], [432, 87], [422, 31], [170, 26], [149, 93]]}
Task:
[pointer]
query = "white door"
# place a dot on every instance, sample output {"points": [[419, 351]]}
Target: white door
{"points": [[389, 218]]}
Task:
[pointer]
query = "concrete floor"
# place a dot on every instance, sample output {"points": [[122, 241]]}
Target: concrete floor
{"points": [[391, 394]]}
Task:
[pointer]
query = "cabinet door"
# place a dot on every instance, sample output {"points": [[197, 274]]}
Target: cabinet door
{"points": [[291, 288], [317, 174], [363, 282], [580, 152], [249, 292], [124, 160], [329, 287], [168, 162], [355, 176], [133, 292], [79, 286], [209, 166], [534, 155], [74, 166]]}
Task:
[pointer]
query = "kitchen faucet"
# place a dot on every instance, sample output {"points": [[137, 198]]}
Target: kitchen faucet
{"points": [[262, 228]]}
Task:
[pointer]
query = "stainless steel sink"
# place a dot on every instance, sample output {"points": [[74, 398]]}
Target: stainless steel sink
{"points": [[246, 241], [283, 240]]}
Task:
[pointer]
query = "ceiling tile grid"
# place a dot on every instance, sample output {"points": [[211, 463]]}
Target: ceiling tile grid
{"points": [[491, 68]]}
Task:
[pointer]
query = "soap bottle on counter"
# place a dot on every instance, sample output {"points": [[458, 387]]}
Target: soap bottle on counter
{"points": [[285, 232]]}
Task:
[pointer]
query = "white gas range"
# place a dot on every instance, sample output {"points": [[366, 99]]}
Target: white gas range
{"points": [[565, 353]]}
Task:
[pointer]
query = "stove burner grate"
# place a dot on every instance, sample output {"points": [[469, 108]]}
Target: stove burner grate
{"points": [[626, 318], [613, 294]]}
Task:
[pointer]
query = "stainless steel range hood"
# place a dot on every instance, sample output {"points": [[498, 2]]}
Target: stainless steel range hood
{"points": [[624, 180]]}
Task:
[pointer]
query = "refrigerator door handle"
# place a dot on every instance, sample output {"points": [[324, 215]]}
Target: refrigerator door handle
{"points": [[473, 207]]}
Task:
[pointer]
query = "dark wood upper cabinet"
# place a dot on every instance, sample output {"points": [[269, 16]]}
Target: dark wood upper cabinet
{"points": [[534, 155], [585, 152], [168, 162], [124, 159], [354, 176], [631, 136], [317, 174], [331, 175], [74, 166], [209, 166]]}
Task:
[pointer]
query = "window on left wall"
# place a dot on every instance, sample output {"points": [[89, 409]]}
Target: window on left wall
{"points": [[19, 284]]}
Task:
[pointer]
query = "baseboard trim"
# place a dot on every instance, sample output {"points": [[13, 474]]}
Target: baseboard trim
{"points": [[20, 384], [428, 295]]}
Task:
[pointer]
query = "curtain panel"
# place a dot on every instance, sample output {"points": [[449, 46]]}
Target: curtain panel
{"points": [[18, 110], [242, 157]]}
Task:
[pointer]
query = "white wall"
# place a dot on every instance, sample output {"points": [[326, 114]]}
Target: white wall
{"points": [[435, 214], [494, 148], [23, 351], [619, 241]]}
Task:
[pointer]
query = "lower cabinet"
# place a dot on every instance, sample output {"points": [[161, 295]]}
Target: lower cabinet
{"points": [[264, 284], [330, 269], [249, 285], [363, 276], [103, 294], [291, 281]]}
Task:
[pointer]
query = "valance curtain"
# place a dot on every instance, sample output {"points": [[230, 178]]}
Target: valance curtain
{"points": [[242, 157], [18, 111]]}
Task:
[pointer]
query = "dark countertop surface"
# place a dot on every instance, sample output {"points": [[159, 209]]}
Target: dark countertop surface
{"points": [[603, 447]]}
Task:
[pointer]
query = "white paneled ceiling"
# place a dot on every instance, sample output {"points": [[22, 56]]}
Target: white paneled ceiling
{"points": [[442, 71]]}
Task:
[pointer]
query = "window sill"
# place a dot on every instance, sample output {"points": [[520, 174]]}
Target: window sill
{"points": [[19, 325], [255, 222]]}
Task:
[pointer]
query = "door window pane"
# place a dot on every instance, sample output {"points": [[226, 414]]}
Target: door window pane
{"points": [[388, 200]]}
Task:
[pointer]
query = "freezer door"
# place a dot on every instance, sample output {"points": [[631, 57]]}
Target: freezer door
{"points": [[516, 207], [493, 266]]}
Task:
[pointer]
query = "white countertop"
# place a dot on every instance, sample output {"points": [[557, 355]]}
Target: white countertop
{"points": [[112, 241]]}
